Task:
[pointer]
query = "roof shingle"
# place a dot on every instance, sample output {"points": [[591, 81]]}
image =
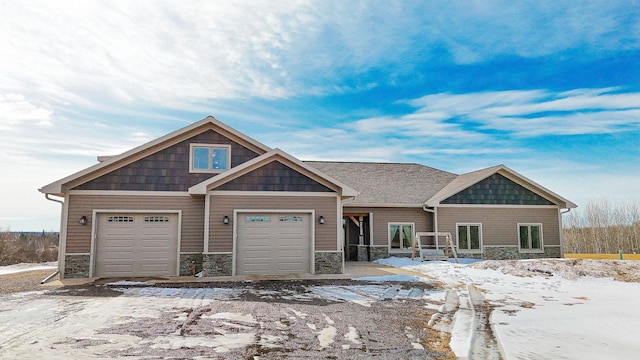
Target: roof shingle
{"points": [[387, 183]]}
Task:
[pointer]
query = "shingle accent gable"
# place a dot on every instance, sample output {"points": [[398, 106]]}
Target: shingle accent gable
{"points": [[167, 169], [497, 190], [274, 176]]}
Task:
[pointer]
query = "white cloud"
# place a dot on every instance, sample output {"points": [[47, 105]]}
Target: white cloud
{"points": [[530, 112], [93, 54], [15, 109]]}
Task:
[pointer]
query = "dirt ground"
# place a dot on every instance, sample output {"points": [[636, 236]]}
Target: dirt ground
{"points": [[22, 281], [226, 320]]}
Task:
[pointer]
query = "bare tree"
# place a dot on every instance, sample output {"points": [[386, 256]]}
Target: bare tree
{"points": [[601, 228]]}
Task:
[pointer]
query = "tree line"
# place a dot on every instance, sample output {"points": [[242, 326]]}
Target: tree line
{"points": [[603, 228], [29, 247]]}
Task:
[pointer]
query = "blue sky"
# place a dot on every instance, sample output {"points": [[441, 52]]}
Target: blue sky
{"points": [[548, 88]]}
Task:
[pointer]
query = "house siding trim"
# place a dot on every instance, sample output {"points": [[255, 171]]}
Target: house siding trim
{"points": [[270, 193], [94, 229], [62, 245], [381, 205], [129, 193], [498, 206]]}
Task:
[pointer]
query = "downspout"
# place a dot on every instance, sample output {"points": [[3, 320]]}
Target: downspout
{"points": [[562, 230], [46, 196], [435, 216]]}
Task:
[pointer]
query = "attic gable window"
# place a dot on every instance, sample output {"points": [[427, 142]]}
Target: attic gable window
{"points": [[209, 158]]}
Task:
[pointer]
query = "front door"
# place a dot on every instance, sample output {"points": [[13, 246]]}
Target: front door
{"points": [[356, 235]]}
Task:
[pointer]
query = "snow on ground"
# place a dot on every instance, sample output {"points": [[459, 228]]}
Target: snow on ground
{"points": [[526, 309], [16, 268], [544, 309]]}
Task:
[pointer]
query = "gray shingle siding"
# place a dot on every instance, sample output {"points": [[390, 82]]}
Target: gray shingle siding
{"points": [[167, 169], [497, 190], [274, 176]]}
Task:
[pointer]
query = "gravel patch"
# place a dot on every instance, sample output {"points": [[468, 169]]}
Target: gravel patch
{"points": [[23, 281]]}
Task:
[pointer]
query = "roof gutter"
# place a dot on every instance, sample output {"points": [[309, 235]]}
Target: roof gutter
{"points": [[50, 199]]}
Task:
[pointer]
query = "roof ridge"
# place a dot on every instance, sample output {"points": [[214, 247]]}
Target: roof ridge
{"points": [[381, 163]]}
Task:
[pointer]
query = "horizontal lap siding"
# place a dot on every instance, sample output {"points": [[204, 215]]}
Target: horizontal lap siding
{"points": [[383, 216], [499, 225], [221, 235], [79, 236]]}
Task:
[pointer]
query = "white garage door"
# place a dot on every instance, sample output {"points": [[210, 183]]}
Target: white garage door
{"points": [[273, 244], [136, 245]]}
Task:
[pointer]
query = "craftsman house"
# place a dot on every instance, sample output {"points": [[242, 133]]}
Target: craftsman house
{"points": [[209, 198]]}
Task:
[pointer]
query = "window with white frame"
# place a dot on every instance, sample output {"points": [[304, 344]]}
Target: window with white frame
{"points": [[530, 237], [209, 158], [401, 236], [469, 237]]}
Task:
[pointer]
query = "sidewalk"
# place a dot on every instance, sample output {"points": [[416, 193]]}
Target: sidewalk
{"points": [[352, 270]]}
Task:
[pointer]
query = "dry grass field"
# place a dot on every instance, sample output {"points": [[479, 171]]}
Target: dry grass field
{"points": [[603, 256]]}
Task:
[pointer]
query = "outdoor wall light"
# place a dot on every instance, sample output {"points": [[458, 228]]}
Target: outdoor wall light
{"points": [[225, 219], [321, 219], [83, 220]]}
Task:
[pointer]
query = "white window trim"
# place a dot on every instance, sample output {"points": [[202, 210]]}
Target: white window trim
{"points": [[210, 146], [469, 251], [413, 233], [530, 250]]}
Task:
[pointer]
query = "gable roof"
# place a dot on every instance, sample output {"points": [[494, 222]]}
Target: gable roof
{"points": [[114, 162], [266, 158], [464, 181], [387, 184]]}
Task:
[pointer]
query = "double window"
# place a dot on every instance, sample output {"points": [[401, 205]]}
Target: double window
{"points": [[530, 237], [209, 158], [401, 236], [469, 237]]}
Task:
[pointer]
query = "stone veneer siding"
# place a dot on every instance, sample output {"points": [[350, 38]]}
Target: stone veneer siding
{"points": [[187, 260], [363, 252], [328, 262], [217, 264], [76, 266], [512, 253], [378, 252]]}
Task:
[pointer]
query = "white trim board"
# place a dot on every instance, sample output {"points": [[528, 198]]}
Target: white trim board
{"points": [[128, 193], [498, 206], [271, 193]]}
